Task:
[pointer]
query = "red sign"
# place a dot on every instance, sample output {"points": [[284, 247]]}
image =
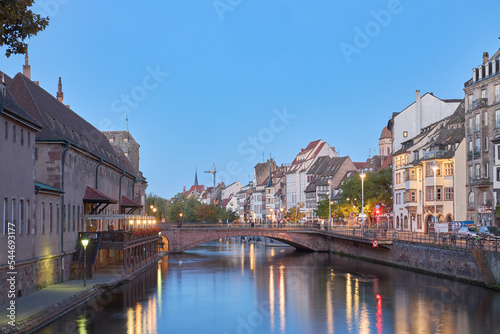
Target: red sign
{"points": [[375, 243]]}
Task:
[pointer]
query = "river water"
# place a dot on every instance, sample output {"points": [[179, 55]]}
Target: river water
{"points": [[230, 286]]}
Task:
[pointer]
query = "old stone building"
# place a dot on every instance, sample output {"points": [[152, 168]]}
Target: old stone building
{"points": [[482, 129], [61, 170]]}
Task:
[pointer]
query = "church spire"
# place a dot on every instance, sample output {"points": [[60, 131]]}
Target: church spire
{"points": [[270, 182], [196, 176], [26, 66], [60, 95]]}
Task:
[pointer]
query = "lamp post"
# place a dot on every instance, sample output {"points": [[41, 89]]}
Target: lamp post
{"points": [[434, 169], [362, 176], [281, 210], [330, 202], [85, 242], [180, 219]]}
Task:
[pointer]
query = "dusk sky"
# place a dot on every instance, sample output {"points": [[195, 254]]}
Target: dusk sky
{"points": [[228, 81]]}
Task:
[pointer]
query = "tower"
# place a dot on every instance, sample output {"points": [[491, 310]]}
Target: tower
{"points": [[60, 95], [26, 66], [196, 176]]}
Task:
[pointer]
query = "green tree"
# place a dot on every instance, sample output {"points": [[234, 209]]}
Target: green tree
{"points": [[294, 214], [377, 190], [205, 213], [176, 207], [224, 215], [158, 203], [17, 23]]}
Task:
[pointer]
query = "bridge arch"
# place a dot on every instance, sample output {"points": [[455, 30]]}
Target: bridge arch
{"points": [[182, 239]]}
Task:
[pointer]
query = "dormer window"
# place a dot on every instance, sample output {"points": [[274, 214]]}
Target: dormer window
{"points": [[125, 140], [405, 134]]}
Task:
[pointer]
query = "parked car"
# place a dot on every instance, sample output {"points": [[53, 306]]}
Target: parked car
{"points": [[489, 232], [468, 231]]}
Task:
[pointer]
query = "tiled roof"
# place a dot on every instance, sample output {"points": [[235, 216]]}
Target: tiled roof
{"points": [[93, 195], [9, 104], [360, 165], [385, 133], [128, 203], [387, 162], [61, 123]]}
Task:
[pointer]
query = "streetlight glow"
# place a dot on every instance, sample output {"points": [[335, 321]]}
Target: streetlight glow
{"points": [[85, 242], [362, 176], [434, 169]]}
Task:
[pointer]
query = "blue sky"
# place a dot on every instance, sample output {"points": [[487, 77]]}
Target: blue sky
{"points": [[226, 81]]}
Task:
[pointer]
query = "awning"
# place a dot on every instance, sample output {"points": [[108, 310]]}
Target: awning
{"points": [[95, 196], [97, 200], [128, 203]]}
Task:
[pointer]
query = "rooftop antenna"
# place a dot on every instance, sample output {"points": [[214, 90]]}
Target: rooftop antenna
{"points": [[370, 152], [126, 120]]}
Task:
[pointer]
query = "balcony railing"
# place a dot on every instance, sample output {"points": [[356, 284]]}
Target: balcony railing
{"points": [[433, 154], [479, 103]]}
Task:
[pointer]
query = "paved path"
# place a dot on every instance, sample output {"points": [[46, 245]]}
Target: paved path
{"points": [[52, 295]]}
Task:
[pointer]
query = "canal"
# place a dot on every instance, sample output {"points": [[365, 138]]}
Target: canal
{"points": [[232, 286]]}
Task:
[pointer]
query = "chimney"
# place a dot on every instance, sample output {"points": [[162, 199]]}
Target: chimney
{"points": [[60, 95], [485, 57], [418, 112], [3, 87], [26, 66], [184, 189]]}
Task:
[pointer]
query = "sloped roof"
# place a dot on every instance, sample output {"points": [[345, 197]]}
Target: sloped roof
{"points": [[360, 165], [9, 104], [128, 203], [61, 123], [385, 133], [387, 162], [95, 196]]}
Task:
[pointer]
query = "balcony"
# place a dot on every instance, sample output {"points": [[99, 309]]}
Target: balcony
{"points": [[476, 155], [433, 154], [479, 103]]}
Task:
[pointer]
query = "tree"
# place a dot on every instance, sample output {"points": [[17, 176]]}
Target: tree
{"points": [[157, 202], [17, 23], [377, 190], [294, 214], [206, 213], [224, 215]]}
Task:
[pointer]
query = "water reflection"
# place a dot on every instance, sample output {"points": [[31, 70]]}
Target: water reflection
{"points": [[235, 287]]}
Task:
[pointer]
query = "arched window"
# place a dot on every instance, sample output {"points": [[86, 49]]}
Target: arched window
{"points": [[406, 222], [471, 199], [397, 222]]}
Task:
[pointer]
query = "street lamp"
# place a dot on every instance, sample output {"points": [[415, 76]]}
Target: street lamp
{"points": [[362, 176], [85, 242], [281, 210], [180, 219], [434, 169], [330, 202]]}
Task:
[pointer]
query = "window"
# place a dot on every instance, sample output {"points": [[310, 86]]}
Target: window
{"points": [[448, 194], [14, 133], [125, 140], [478, 171], [112, 140], [486, 144], [477, 148], [485, 118], [413, 196], [5, 215], [43, 218], [497, 118], [486, 170], [471, 125], [448, 168], [471, 172], [22, 137], [29, 139], [21, 216], [439, 194], [28, 220], [50, 218], [497, 92], [471, 199], [471, 99], [6, 135], [405, 134], [485, 197], [498, 174], [471, 149], [420, 196], [429, 194], [13, 212], [74, 218], [478, 122], [483, 93]]}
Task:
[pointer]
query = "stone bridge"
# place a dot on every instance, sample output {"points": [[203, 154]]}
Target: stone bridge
{"points": [[182, 239]]}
